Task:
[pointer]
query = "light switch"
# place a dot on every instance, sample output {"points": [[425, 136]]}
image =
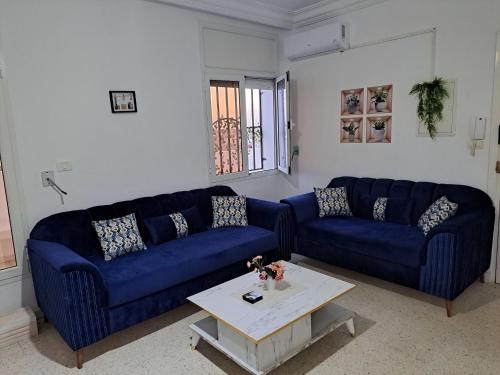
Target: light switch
{"points": [[64, 166]]}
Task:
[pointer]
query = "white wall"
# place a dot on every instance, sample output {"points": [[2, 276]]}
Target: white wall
{"points": [[62, 58], [465, 51]]}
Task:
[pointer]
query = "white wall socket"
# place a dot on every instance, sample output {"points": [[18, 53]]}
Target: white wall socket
{"points": [[45, 175], [64, 166]]}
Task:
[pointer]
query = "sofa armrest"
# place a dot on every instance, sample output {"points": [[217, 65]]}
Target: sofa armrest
{"points": [[70, 291], [275, 217], [458, 252], [304, 207]]}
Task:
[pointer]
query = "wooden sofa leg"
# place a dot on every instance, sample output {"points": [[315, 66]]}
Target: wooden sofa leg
{"points": [[79, 358], [481, 278], [449, 306]]}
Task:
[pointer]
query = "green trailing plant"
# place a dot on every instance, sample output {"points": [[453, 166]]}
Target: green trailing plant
{"points": [[351, 128], [431, 96], [352, 99], [378, 125], [379, 97]]}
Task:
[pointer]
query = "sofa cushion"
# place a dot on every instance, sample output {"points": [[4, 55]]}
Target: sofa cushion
{"points": [[229, 211], [395, 210], [118, 236], [162, 228], [332, 201], [392, 242], [438, 212], [140, 274]]}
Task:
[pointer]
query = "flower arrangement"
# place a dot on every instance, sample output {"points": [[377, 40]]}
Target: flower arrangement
{"points": [[275, 270]]}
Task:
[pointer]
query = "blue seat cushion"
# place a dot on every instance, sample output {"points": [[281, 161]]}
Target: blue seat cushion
{"points": [[131, 276], [392, 242]]}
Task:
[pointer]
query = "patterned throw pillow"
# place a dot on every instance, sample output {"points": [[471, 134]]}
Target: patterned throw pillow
{"points": [[229, 211], [181, 225], [437, 212], [118, 236], [379, 209], [332, 201]]}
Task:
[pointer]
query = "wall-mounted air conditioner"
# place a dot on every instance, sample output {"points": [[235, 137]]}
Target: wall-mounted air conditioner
{"points": [[321, 39]]}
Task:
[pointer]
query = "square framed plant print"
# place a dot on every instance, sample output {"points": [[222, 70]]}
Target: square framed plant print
{"points": [[352, 102], [122, 101], [379, 99], [351, 130], [379, 129]]}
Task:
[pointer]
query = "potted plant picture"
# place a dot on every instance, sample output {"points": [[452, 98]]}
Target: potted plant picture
{"points": [[352, 103], [378, 131], [379, 100], [351, 131]]}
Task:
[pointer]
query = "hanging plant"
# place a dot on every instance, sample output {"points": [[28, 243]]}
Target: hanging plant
{"points": [[431, 95]]}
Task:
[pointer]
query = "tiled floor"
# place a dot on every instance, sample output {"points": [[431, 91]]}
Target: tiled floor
{"points": [[399, 331]]}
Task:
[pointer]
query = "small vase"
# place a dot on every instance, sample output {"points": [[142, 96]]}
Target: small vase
{"points": [[380, 106], [378, 135], [270, 283], [352, 108], [351, 138]]}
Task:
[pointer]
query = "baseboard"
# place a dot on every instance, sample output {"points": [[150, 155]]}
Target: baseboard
{"points": [[17, 326]]}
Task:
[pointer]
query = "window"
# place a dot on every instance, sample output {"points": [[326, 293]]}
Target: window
{"points": [[226, 127], [259, 101], [244, 125]]}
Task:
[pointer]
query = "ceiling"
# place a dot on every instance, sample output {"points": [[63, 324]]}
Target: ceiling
{"points": [[292, 5], [284, 14]]}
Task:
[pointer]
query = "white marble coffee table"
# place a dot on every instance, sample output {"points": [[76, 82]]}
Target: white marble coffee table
{"points": [[261, 336]]}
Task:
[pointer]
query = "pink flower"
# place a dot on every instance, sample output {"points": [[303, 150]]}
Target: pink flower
{"points": [[262, 276]]}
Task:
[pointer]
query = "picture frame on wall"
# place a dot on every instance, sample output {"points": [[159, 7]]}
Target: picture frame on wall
{"points": [[379, 129], [123, 101], [379, 99], [351, 130], [352, 102]]}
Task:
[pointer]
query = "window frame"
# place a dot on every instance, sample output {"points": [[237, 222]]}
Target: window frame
{"points": [[15, 200], [241, 77]]}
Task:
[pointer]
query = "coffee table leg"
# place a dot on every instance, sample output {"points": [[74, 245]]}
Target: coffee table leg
{"points": [[350, 326], [195, 338]]}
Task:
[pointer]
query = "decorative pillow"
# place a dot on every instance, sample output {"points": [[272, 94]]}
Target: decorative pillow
{"points": [[229, 211], [395, 210], [379, 209], [180, 223], [118, 236], [437, 212], [332, 201], [163, 228]]}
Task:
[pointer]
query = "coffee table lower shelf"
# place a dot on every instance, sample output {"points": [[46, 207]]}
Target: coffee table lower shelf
{"points": [[262, 357]]}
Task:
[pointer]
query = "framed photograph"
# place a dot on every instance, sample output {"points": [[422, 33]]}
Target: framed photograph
{"points": [[352, 102], [122, 101], [379, 129], [351, 130], [379, 99]]}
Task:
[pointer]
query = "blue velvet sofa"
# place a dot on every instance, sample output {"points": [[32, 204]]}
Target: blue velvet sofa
{"points": [[445, 262], [87, 298]]}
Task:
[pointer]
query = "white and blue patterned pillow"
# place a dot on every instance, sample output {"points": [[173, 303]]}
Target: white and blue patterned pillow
{"points": [[181, 225], [332, 201], [118, 236], [437, 212], [379, 209], [229, 211]]}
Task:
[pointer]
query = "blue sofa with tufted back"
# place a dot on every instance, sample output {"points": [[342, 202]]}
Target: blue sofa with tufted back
{"points": [[445, 262], [87, 298]]}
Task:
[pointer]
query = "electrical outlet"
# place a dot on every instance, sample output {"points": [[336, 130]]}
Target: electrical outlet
{"points": [[45, 176]]}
